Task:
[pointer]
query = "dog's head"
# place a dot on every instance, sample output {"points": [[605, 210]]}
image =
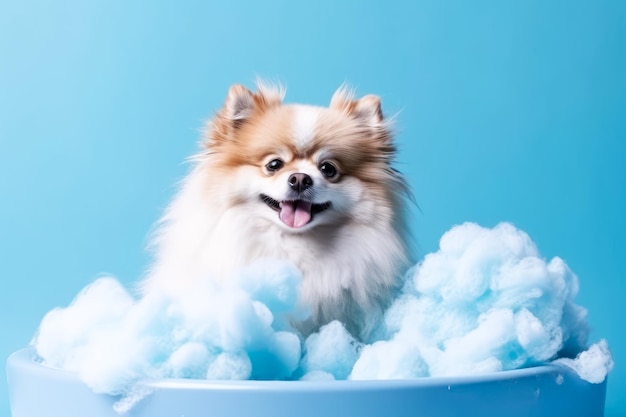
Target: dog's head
{"points": [[301, 166]]}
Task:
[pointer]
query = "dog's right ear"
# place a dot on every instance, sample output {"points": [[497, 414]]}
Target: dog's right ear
{"points": [[239, 105]]}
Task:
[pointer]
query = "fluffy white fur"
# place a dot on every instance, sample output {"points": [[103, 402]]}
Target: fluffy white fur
{"points": [[351, 253]]}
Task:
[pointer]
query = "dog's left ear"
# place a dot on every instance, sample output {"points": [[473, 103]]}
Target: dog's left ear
{"points": [[367, 109]]}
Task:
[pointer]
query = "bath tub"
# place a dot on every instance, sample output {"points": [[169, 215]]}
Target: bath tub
{"points": [[36, 390]]}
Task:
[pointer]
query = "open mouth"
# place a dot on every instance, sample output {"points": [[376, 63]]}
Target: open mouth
{"points": [[295, 213]]}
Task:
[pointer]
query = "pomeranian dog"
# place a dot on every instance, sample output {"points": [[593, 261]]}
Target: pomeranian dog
{"points": [[311, 185]]}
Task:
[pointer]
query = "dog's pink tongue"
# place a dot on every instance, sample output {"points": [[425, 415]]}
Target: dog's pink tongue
{"points": [[295, 213]]}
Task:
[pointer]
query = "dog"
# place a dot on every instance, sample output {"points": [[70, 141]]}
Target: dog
{"points": [[311, 185]]}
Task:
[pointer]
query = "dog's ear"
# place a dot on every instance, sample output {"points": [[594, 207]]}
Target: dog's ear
{"points": [[239, 104], [242, 103], [239, 107], [367, 109]]}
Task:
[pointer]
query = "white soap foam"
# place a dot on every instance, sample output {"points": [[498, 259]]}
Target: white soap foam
{"points": [[485, 301]]}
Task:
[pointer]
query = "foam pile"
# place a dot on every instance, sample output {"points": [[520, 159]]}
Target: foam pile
{"points": [[485, 301], [112, 340]]}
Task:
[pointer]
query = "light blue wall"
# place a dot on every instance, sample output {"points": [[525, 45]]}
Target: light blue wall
{"points": [[509, 111]]}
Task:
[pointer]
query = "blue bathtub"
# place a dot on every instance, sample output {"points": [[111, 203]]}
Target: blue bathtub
{"points": [[36, 390]]}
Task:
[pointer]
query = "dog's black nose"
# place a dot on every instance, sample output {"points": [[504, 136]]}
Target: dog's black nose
{"points": [[300, 182]]}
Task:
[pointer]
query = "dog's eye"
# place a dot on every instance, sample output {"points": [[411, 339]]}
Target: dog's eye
{"points": [[328, 169], [274, 165]]}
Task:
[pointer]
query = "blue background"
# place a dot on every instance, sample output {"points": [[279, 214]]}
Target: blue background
{"points": [[508, 111]]}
